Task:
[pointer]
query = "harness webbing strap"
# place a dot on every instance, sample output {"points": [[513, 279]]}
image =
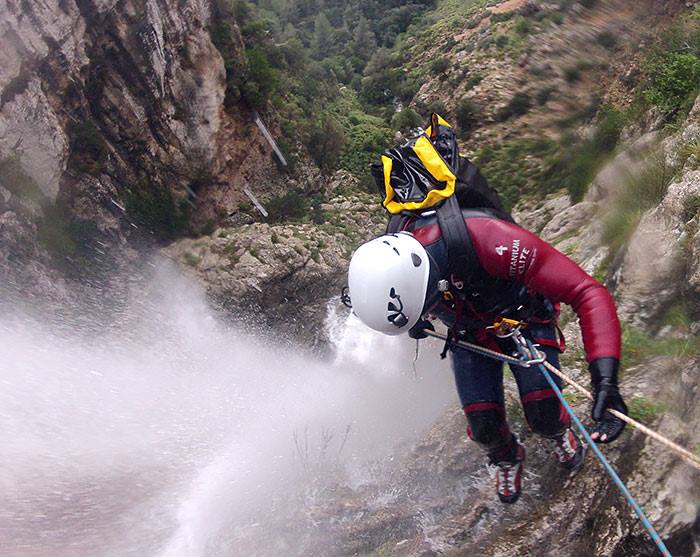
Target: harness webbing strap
{"points": [[462, 260], [395, 224]]}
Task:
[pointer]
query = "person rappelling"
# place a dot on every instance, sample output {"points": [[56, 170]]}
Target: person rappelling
{"points": [[451, 252]]}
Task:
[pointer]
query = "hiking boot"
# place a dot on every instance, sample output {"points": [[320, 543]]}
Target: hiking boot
{"points": [[569, 450], [508, 474]]}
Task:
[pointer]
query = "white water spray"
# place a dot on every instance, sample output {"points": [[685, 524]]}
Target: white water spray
{"points": [[167, 430]]}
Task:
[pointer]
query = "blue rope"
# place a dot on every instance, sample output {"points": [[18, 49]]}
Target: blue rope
{"points": [[601, 457]]}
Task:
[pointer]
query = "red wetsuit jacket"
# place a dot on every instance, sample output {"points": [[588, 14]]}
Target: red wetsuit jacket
{"points": [[510, 253]]}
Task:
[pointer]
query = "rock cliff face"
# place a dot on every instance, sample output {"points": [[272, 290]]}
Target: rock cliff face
{"points": [[113, 133], [97, 97], [105, 108]]}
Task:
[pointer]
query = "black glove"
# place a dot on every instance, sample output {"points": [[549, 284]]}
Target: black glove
{"points": [[606, 396], [418, 330]]}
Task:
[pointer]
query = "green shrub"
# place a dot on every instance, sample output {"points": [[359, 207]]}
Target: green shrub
{"points": [[544, 95], [260, 80], [588, 3], [607, 39], [572, 74], [156, 209], [645, 410], [502, 41], [582, 114], [465, 115], [557, 18], [406, 120], [290, 206], [473, 22], [439, 66], [674, 79], [485, 43], [691, 207], [680, 314], [522, 27], [88, 148], [609, 129], [691, 150], [438, 107], [518, 105], [366, 136], [192, 259], [499, 18], [577, 162], [582, 166], [638, 346], [473, 81], [515, 167], [326, 143]]}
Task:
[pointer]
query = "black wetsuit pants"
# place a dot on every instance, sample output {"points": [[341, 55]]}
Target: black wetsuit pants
{"points": [[480, 386]]}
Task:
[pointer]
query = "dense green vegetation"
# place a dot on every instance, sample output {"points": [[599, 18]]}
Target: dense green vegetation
{"points": [[328, 70], [337, 74], [672, 68], [517, 167], [533, 166]]}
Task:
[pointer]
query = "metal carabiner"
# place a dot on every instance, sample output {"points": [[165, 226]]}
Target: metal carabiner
{"points": [[529, 359]]}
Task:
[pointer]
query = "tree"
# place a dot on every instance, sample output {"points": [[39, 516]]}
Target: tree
{"points": [[406, 120], [465, 114], [364, 42], [322, 41], [326, 143]]}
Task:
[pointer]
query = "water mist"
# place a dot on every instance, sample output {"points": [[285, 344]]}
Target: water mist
{"points": [[160, 429]]}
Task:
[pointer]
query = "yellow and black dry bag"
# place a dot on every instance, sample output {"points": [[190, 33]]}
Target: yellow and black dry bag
{"points": [[422, 173]]}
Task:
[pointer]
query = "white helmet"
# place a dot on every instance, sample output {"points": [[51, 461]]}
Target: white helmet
{"points": [[387, 280]]}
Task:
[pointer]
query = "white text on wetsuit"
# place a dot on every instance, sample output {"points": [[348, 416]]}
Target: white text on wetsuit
{"points": [[518, 260]]}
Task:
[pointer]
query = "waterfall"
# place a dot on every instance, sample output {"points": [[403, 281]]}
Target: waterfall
{"points": [[159, 429]]}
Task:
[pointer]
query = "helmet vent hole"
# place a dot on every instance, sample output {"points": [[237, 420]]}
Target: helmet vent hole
{"points": [[417, 261]]}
